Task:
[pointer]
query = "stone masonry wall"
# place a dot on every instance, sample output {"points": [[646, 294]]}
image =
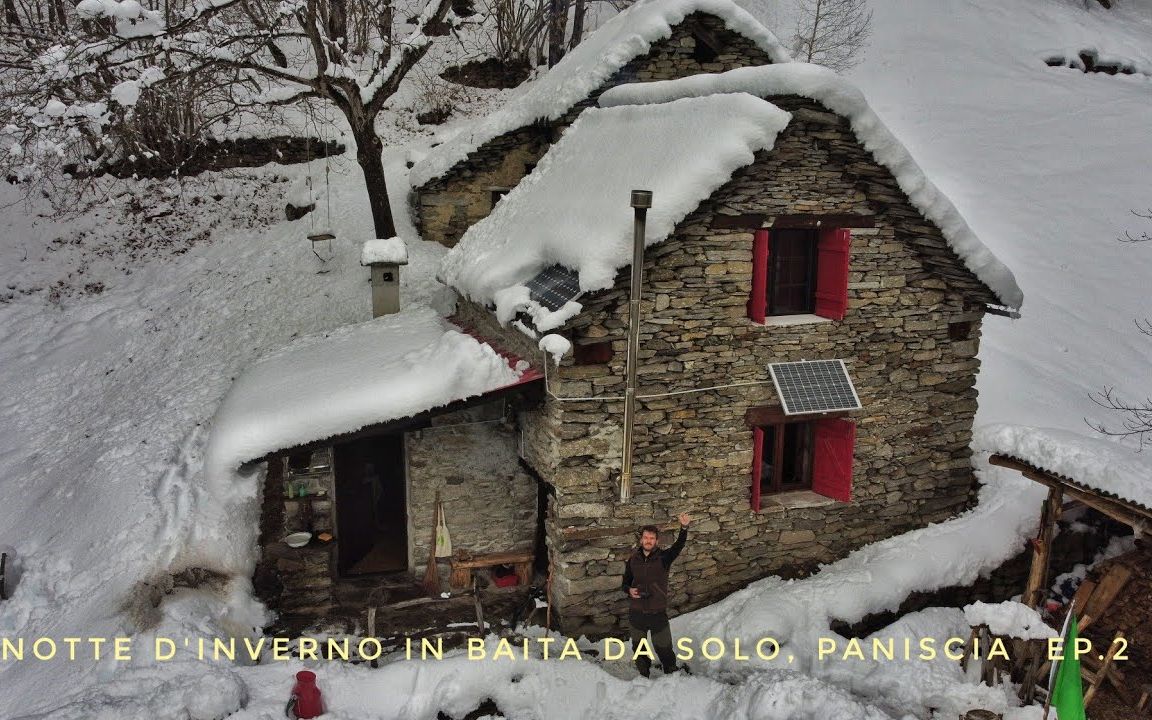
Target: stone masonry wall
{"points": [[914, 372], [447, 206], [489, 501]]}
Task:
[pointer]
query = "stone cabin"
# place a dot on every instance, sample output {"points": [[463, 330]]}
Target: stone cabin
{"points": [[458, 183], [361, 431], [806, 248]]}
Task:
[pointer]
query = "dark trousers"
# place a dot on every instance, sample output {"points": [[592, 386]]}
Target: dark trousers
{"points": [[657, 623]]}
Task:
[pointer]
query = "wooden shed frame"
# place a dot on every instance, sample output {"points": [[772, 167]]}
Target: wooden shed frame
{"points": [[1060, 489]]}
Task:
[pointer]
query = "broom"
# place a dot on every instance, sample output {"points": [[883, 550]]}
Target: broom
{"points": [[432, 573]]}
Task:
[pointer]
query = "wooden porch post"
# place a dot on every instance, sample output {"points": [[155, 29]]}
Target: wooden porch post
{"points": [[1042, 549]]}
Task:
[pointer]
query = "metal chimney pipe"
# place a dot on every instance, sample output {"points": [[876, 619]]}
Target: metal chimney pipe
{"points": [[641, 201]]}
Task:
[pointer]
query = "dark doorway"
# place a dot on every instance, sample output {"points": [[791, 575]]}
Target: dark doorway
{"points": [[371, 516]]}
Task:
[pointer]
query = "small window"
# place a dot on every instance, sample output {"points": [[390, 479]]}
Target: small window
{"points": [[814, 455], [704, 52], [786, 462], [592, 353], [792, 273], [959, 330], [798, 271], [497, 194]]}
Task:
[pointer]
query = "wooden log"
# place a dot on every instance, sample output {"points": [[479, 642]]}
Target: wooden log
{"points": [[1034, 591]]}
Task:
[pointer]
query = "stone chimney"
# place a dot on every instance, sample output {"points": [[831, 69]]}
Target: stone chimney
{"points": [[385, 256]]}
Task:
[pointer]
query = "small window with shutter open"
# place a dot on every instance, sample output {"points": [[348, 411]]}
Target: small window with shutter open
{"points": [[811, 455], [799, 271]]}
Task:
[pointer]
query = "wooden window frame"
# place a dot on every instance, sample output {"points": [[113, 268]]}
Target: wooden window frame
{"points": [[828, 274], [772, 486], [775, 259], [833, 477]]}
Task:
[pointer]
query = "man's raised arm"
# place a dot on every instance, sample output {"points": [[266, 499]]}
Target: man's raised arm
{"points": [[674, 550]]}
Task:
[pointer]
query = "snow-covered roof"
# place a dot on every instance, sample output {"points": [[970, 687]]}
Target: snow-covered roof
{"points": [[587, 67], [573, 209], [323, 385], [1094, 463], [843, 98], [384, 250]]}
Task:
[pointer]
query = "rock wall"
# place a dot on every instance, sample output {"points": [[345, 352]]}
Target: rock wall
{"points": [[470, 457], [489, 500], [447, 206], [910, 340]]}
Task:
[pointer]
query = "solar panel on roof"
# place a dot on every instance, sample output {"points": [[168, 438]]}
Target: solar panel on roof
{"points": [[554, 286], [812, 387]]}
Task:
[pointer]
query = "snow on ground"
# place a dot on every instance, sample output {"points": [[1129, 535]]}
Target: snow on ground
{"points": [[106, 400], [105, 395], [1046, 165]]}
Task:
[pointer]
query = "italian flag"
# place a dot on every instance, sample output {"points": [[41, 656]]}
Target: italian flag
{"points": [[1066, 694]]}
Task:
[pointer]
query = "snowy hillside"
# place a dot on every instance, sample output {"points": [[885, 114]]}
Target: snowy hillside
{"points": [[106, 395]]}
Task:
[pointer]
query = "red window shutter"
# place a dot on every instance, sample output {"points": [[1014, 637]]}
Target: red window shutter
{"points": [[758, 299], [832, 272], [757, 466], [832, 466]]}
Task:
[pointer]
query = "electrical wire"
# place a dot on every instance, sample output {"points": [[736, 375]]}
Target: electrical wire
{"points": [[652, 396]]}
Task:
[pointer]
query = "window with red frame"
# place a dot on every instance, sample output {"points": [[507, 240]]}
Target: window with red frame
{"points": [[811, 455], [797, 271]]}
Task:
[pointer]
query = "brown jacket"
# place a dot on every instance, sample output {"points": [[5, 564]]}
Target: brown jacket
{"points": [[649, 574]]}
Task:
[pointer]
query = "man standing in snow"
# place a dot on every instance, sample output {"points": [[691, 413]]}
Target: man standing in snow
{"points": [[646, 583]]}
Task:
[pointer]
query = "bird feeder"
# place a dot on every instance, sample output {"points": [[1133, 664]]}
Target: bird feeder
{"points": [[385, 256]]}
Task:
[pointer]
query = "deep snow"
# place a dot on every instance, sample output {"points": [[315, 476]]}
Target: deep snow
{"points": [[105, 395]]}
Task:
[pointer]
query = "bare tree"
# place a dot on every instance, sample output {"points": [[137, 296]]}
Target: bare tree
{"points": [[1135, 416], [517, 25], [557, 28], [82, 91], [832, 32]]}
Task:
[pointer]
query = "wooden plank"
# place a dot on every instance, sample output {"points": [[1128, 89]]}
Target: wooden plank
{"points": [[1042, 550], [755, 221], [813, 222], [1106, 591], [489, 559]]}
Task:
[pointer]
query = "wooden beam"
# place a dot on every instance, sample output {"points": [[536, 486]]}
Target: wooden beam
{"points": [[1034, 591], [1116, 509], [774, 415], [755, 221]]}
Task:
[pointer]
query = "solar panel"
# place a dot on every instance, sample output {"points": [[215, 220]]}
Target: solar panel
{"points": [[554, 286], [812, 387]]}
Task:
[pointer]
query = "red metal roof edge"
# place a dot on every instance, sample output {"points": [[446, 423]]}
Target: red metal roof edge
{"points": [[529, 374]]}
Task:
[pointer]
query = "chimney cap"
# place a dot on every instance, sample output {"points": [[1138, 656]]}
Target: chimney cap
{"points": [[384, 251], [641, 199]]}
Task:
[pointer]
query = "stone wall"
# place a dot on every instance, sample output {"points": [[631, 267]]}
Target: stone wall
{"points": [[489, 500], [297, 582], [470, 456], [447, 206], [909, 339]]}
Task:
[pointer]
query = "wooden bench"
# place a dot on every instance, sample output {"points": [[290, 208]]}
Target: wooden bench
{"points": [[463, 563]]}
